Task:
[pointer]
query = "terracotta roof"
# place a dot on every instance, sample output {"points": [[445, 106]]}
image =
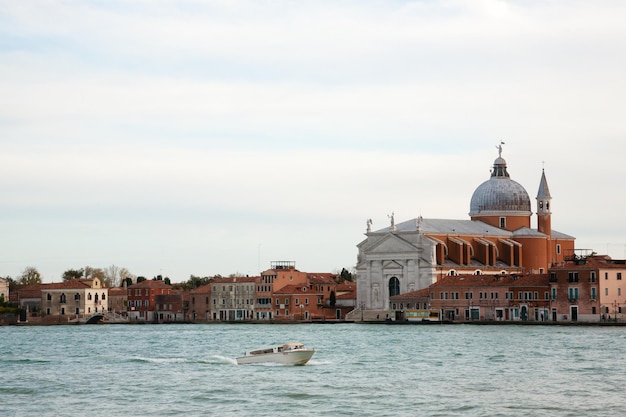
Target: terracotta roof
{"points": [[346, 286], [69, 284], [151, 284], [321, 278], [117, 291], [500, 280], [206, 288], [295, 289], [423, 293]]}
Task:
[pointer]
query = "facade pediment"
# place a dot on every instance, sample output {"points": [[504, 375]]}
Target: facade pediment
{"points": [[391, 265], [391, 243]]}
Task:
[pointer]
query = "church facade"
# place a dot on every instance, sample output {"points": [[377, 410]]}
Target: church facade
{"points": [[496, 239]]}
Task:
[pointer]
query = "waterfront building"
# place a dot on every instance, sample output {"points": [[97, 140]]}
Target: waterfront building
{"points": [[232, 299], [118, 300], [169, 308], [589, 287], [74, 297], [298, 302], [401, 303], [200, 303], [345, 299], [505, 297], [4, 289], [497, 239], [142, 299], [271, 299]]}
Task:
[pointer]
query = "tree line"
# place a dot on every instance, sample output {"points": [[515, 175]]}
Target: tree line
{"points": [[114, 276]]}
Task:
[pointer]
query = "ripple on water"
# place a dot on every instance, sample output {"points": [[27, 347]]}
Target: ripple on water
{"points": [[357, 371]]}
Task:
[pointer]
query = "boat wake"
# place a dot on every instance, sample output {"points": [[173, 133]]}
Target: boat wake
{"points": [[223, 359]]}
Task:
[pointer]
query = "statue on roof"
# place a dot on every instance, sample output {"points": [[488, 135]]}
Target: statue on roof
{"points": [[499, 148], [369, 225], [393, 222]]}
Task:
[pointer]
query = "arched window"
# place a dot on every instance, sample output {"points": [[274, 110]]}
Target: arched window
{"points": [[77, 297], [96, 298], [104, 297], [63, 298], [49, 297], [394, 286], [89, 296]]}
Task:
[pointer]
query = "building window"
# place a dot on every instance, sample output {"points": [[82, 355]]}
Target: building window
{"points": [[297, 301], [77, 297], [558, 249], [63, 298], [573, 293], [554, 293], [593, 293], [619, 276], [277, 302], [606, 291], [394, 286], [619, 292], [592, 277], [286, 301], [606, 275], [49, 297], [277, 313], [502, 222], [573, 277]]}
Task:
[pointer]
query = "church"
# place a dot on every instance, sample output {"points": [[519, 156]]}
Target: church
{"points": [[496, 239]]}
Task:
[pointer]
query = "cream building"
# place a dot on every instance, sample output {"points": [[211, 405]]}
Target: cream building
{"points": [[74, 297], [4, 289]]}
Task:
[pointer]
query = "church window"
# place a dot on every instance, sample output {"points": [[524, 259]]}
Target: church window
{"points": [[541, 204], [394, 286]]}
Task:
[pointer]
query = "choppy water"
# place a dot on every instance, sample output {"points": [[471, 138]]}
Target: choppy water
{"points": [[358, 370]]}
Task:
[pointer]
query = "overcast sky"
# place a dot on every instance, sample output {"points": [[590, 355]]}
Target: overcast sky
{"points": [[213, 137]]}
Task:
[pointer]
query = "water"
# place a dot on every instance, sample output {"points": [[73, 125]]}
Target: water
{"points": [[358, 370]]}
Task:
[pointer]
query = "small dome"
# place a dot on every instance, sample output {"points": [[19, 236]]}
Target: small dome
{"points": [[499, 194]]}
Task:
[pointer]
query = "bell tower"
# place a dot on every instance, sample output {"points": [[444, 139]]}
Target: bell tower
{"points": [[544, 223]]}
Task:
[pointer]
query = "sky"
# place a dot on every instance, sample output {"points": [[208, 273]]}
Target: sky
{"points": [[182, 138]]}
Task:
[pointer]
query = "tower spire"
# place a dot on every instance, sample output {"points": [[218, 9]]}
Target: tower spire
{"points": [[543, 206]]}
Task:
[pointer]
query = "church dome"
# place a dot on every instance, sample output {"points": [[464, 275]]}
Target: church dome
{"points": [[500, 194]]}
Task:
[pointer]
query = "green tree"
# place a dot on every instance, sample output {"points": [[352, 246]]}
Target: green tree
{"points": [[73, 274], [141, 279], [30, 276], [345, 275]]}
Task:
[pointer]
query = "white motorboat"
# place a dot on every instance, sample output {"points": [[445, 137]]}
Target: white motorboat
{"points": [[293, 353]]}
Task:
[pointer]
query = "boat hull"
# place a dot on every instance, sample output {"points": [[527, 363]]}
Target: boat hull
{"points": [[298, 357]]}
